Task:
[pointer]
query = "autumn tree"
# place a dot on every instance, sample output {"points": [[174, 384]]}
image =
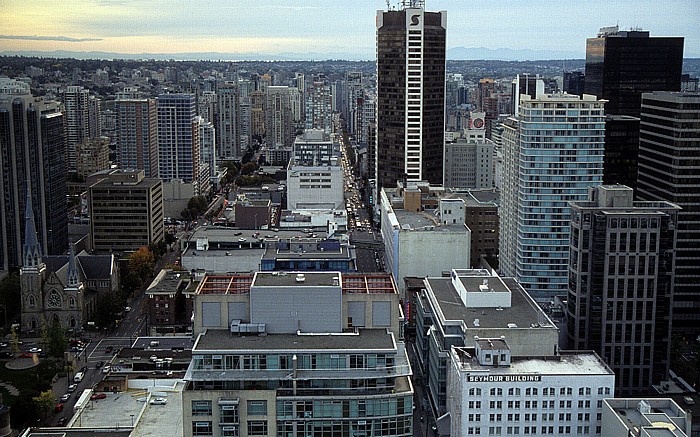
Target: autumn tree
{"points": [[142, 263]]}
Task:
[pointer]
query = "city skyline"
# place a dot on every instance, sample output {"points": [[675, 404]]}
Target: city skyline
{"points": [[314, 29]]}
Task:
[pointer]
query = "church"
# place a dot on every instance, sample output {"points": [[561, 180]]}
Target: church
{"points": [[65, 287]]}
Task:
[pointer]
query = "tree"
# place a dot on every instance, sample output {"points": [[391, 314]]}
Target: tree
{"points": [[248, 168], [142, 262], [108, 306], [56, 341], [45, 402]]}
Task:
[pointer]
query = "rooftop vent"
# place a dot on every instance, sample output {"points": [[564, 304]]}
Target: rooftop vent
{"points": [[476, 323], [300, 277]]}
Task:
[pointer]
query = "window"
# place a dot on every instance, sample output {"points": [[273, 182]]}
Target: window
{"points": [[257, 408], [257, 427], [201, 408], [202, 428]]}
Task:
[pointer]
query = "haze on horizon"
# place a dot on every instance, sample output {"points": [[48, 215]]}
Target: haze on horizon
{"points": [[338, 29]]}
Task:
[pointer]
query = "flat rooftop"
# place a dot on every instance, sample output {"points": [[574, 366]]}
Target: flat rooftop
{"points": [[219, 233], [663, 419], [218, 340], [352, 283], [474, 198], [417, 221], [568, 363], [165, 343], [167, 281], [294, 279], [523, 311]]}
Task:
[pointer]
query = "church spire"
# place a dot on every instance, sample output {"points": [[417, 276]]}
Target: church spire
{"points": [[32, 249], [73, 280]]}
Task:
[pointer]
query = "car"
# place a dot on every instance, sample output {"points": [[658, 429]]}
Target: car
{"points": [[159, 401], [62, 421], [109, 349], [127, 309], [97, 396], [76, 349], [26, 355], [35, 350], [72, 387], [107, 369], [3, 344], [65, 397], [99, 364], [58, 408]]}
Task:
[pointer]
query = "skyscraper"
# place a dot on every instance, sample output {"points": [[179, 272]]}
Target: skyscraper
{"points": [[228, 120], [318, 107], [178, 139], [82, 115], [278, 117], [669, 152], [620, 66], [137, 139], [32, 155], [553, 151], [621, 284], [410, 94]]}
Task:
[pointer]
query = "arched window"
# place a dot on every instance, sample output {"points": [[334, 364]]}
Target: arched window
{"points": [[71, 302], [71, 322], [32, 301]]}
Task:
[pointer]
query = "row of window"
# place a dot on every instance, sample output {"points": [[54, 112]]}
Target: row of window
{"points": [[533, 391]]}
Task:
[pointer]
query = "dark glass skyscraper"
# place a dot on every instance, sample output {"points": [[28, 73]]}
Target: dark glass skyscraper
{"points": [[410, 94], [620, 66], [669, 169], [32, 152]]}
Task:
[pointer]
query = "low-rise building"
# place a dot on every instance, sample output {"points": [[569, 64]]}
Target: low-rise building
{"points": [[328, 362], [169, 307], [648, 417], [492, 392]]}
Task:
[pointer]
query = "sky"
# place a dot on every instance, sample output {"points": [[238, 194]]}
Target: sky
{"points": [[329, 27]]}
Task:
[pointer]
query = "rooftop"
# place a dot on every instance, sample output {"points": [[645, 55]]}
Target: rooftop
{"points": [[523, 312], [365, 340], [305, 279], [425, 221], [657, 417], [167, 281], [567, 363]]}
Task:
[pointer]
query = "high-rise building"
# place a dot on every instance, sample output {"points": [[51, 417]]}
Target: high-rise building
{"points": [[278, 117], [353, 93], [32, 156], [82, 115], [178, 139], [574, 82], [525, 84], [92, 156], [137, 138], [318, 107], [469, 160], [228, 120], [207, 148], [258, 122], [410, 94], [126, 211], [621, 65], [553, 151], [668, 170], [621, 284]]}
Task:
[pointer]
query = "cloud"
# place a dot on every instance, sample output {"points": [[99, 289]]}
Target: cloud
{"points": [[49, 38]]}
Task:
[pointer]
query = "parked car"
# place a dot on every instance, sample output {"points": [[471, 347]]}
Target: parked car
{"points": [[72, 387], [58, 408], [109, 350], [65, 397], [99, 364], [97, 396], [159, 401], [26, 355], [62, 421]]}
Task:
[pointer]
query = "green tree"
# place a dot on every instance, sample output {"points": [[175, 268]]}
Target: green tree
{"points": [[108, 306], [142, 262], [248, 168], [44, 402], [56, 339]]}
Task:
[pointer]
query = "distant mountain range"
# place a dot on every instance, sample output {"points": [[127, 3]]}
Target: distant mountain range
{"points": [[456, 53], [501, 54]]}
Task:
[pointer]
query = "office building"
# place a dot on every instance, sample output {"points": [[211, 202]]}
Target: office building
{"points": [[410, 94], [492, 392], [620, 66], [178, 139], [545, 167], [334, 367], [278, 117], [524, 85], [621, 284], [315, 185], [574, 82], [645, 417], [469, 159], [668, 128], [452, 310], [352, 102], [423, 234], [32, 158], [126, 211], [137, 138], [481, 217], [315, 146], [228, 121]]}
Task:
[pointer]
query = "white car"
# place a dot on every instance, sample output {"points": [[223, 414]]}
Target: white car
{"points": [[159, 401]]}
